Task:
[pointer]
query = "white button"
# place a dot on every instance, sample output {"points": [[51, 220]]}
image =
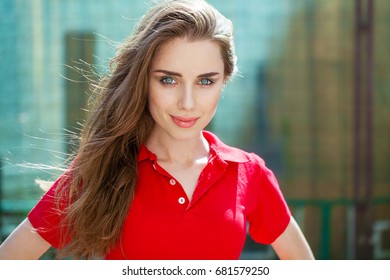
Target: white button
{"points": [[182, 200], [172, 182]]}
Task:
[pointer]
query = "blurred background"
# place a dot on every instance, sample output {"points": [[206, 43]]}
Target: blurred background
{"points": [[312, 99]]}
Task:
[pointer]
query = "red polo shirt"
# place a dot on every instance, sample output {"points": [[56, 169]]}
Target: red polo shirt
{"points": [[235, 190]]}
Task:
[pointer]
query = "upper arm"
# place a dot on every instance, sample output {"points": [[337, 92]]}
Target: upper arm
{"points": [[292, 244], [24, 243]]}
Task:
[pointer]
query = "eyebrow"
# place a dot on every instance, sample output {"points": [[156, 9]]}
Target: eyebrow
{"points": [[171, 73]]}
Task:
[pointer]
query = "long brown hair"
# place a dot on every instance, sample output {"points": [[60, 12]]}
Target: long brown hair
{"points": [[103, 176]]}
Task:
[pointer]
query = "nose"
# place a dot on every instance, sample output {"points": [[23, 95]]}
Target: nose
{"points": [[187, 100]]}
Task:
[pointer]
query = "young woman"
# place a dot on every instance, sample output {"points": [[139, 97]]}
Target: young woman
{"points": [[148, 182]]}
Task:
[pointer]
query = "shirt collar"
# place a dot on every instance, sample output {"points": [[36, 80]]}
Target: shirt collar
{"points": [[144, 154], [225, 152]]}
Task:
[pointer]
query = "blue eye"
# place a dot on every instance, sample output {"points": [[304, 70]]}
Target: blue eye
{"points": [[205, 82], [168, 81]]}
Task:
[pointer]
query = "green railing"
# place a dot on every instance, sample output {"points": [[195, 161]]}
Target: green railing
{"points": [[326, 207]]}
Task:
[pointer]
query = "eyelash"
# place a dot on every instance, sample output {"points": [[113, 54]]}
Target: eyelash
{"points": [[163, 80], [209, 82]]}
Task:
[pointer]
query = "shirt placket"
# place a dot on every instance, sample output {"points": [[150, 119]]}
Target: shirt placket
{"points": [[213, 171], [177, 192]]}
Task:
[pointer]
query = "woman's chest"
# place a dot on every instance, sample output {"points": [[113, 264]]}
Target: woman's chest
{"points": [[164, 224]]}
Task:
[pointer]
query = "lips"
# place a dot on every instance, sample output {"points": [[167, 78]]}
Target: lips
{"points": [[184, 122]]}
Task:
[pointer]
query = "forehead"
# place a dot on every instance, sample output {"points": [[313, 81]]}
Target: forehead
{"points": [[189, 57]]}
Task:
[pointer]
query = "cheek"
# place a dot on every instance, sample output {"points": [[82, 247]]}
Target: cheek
{"points": [[211, 102], [153, 107], [152, 102], [158, 102], [154, 99]]}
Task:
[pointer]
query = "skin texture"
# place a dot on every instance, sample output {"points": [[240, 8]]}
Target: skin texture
{"points": [[23, 244], [185, 84], [185, 81], [292, 244]]}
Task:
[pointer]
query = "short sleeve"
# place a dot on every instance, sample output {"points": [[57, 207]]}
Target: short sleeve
{"points": [[46, 216], [271, 214]]}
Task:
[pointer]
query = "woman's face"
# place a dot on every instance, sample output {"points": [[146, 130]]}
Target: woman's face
{"points": [[185, 83]]}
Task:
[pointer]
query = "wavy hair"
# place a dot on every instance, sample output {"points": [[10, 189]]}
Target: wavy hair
{"points": [[102, 178]]}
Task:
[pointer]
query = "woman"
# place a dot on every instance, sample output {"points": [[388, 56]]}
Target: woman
{"points": [[147, 181]]}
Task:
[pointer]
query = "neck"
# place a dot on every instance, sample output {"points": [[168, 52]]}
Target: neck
{"points": [[182, 152]]}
